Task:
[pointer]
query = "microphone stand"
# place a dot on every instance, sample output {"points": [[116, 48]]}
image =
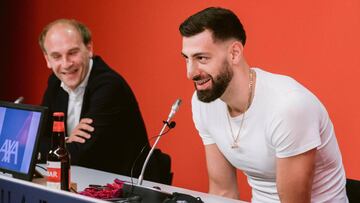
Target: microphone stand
{"points": [[174, 109], [145, 194], [148, 194], [141, 177]]}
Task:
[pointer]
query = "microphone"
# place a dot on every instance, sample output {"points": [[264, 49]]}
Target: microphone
{"points": [[174, 109], [19, 100]]}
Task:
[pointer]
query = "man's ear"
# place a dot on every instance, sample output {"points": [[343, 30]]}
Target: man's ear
{"points": [[47, 60], [236, 52], [89, 47]]}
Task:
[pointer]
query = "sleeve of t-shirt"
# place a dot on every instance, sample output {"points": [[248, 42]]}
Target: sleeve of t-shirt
{"points": [[295, 127], [199, 116]]}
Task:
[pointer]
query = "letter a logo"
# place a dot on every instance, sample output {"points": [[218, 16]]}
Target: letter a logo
{"points": [[9, 148]]}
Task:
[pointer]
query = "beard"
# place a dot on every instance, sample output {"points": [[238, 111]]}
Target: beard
{"points": [[219, 84]]}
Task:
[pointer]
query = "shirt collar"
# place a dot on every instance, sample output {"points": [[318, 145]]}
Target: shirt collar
{"points": [[82, 84]]}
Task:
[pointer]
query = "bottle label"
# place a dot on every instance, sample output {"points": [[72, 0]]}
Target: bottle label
{"points": [[58, 126], [54, 174]]}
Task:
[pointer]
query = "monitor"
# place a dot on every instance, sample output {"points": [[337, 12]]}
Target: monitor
{"points": [[21, 126]]}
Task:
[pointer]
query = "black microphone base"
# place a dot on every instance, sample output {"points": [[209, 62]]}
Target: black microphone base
{"points": [[145, 194]]}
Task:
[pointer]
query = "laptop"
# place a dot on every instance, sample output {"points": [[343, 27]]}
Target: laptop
{"points": [[21, 126]]}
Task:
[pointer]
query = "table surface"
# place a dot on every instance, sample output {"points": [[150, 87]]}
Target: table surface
{"points": [[84, 176]]}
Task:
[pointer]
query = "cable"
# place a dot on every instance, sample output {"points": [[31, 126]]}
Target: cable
{"points": [[43, 168]]}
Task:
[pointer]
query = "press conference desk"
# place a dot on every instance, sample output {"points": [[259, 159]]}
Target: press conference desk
{"points": [[83, 177]]}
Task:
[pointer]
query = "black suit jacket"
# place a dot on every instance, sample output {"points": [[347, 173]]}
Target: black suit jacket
{"points": [[119, 133]]}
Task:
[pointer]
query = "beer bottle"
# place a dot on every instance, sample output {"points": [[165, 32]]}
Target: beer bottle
{"points": [[58, 158]]}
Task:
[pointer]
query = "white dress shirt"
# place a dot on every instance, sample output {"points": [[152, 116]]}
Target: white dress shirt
{"points": [[76, 98]]}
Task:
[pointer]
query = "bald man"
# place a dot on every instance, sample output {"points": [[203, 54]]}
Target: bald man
{"points": [[103, 122]]}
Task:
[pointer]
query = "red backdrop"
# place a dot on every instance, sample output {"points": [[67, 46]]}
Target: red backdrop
{"points": [[316, 42]]}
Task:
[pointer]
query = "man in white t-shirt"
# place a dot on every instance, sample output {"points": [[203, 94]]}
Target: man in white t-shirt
{"points": [[267, 125]]}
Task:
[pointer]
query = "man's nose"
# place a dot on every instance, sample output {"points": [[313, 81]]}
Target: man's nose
{"points": [[192, 69], [66, 62]]}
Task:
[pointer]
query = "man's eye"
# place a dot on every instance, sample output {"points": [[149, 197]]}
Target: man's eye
{"points": [[56, 57], [73, 52], [203, 59]]}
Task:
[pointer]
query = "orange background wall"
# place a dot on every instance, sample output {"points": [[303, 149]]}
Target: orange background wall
{"points": [[316, 42]]}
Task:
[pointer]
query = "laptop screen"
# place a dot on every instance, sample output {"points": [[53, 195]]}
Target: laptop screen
{"points": [[20, 129]]}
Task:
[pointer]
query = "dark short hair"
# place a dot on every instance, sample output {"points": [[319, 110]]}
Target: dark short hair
{"points": [[223, 23], [80, 27]]}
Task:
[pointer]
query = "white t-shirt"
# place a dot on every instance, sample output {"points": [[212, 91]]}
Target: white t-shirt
{"points": [[285, 119]]}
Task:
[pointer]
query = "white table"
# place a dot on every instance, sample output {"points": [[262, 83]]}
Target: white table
{"points": [[85, 176], [24, 191], [15, 190]]}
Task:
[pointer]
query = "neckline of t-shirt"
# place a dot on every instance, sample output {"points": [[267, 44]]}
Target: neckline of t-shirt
{"points": [[254, 100]]}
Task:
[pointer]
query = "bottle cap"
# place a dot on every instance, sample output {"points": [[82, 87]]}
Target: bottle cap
{"points": [[58, 114]]}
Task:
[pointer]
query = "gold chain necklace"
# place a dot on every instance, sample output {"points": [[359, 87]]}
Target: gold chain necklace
{"points": [[235, 139]]}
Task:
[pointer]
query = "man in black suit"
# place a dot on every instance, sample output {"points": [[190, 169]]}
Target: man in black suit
{"points": [[103, 121]]}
